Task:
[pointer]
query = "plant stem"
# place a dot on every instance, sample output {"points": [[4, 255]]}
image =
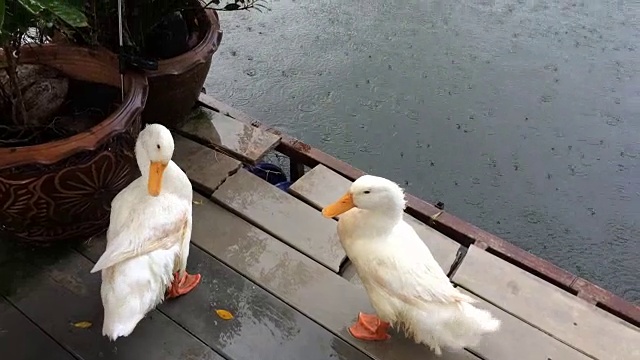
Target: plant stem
{"points": [[18, 109]]}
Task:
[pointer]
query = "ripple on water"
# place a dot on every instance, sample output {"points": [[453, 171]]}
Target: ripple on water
{"points": [[533, 216], [621, 193], [474, 202], [611, 119], [576, 171], [307, 106], [412, 114], [622, 232]]}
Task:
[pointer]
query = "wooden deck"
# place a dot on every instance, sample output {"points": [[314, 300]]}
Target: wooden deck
{"points": [[275, 263]]}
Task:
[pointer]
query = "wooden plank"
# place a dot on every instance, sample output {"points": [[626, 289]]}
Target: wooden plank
{"points": [[284, 216], [20, 338], [564, 316], [228, 135], [202, 164], [349, 273], [519, 340], [262, 324], [57, 291], [321, 186], [6, 250], [302, 283]]}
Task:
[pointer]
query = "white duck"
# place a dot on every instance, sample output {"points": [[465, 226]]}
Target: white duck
{"points": [[148, 237], [406, 286]]}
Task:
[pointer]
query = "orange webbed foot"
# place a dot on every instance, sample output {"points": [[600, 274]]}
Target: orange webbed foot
{"points": [[370, 328], [181, 286]]}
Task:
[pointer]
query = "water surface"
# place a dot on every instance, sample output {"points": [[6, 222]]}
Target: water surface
{"points": [[523, 117]]}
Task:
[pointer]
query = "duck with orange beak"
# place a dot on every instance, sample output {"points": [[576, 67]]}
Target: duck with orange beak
{"points": [[406, 286], [148, 237]]}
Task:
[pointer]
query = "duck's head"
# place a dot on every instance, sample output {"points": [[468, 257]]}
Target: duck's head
{"points": [[372, 193], [154, 149]]}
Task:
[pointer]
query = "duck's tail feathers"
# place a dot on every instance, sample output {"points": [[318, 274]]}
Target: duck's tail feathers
{"points": [[454, 326]]}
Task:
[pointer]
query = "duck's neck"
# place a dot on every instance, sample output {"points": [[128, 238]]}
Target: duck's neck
{"points": [[385, 218], [378, 221], [174, 180]]}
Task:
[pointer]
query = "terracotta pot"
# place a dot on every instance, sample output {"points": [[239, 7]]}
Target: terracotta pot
{"points": [[62, 190], [174, 88]]}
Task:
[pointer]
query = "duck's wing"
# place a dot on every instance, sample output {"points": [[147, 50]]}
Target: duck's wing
{"points": [[121, 208], [415, 282], [154, 227], [411, 274]]}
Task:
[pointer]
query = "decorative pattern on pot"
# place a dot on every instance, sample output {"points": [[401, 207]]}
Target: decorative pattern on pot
{"points": [[71, 199]]}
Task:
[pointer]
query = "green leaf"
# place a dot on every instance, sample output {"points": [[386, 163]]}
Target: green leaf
{"points": [[33, 6], [62, 9]]}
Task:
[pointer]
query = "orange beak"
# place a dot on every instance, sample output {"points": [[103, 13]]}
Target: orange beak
{"points": [[155, 177], [344, 204]]}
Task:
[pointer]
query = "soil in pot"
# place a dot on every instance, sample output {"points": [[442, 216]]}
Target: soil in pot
{"points": [[171, 37], [58, 107]]}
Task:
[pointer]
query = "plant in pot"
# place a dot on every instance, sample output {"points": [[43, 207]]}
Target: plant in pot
{"points": [[67, 136], [173, 41]]}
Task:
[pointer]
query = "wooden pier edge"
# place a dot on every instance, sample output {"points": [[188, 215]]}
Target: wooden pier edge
{"points": [[457, 229]]}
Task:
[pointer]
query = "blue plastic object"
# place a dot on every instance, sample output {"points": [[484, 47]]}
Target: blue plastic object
{"points": [[284, 186], [271, 173]]}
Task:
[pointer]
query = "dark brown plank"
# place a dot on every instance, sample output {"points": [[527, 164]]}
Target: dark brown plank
{"points": [[201, 164], [228, 135], [263, 327], [297, 280], [321, 186], [562, 315], [57, 291], [284, 216], [20, 338]]}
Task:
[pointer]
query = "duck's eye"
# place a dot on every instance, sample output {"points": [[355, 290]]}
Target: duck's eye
{"points": [[367, 191], [158, 145]]}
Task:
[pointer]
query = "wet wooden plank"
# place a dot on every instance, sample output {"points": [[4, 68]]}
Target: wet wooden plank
{"points": [[228, 135], [23, 340], [284, 216], [321, 186], [519, 340], [349, 273], [564, 316], [6, 249], [297, 280], [56, 292], [202, 164], [262, 324]]}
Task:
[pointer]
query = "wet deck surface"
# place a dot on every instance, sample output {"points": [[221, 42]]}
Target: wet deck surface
{"points": [[270, 258]]}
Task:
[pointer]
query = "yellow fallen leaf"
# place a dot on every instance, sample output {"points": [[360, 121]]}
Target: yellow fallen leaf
{"points": [[224, 314], [197, 202], [83, 324]]}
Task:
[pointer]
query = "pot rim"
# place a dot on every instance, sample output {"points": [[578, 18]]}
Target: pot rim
{"points": [[54, 151], [199, 54]]}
